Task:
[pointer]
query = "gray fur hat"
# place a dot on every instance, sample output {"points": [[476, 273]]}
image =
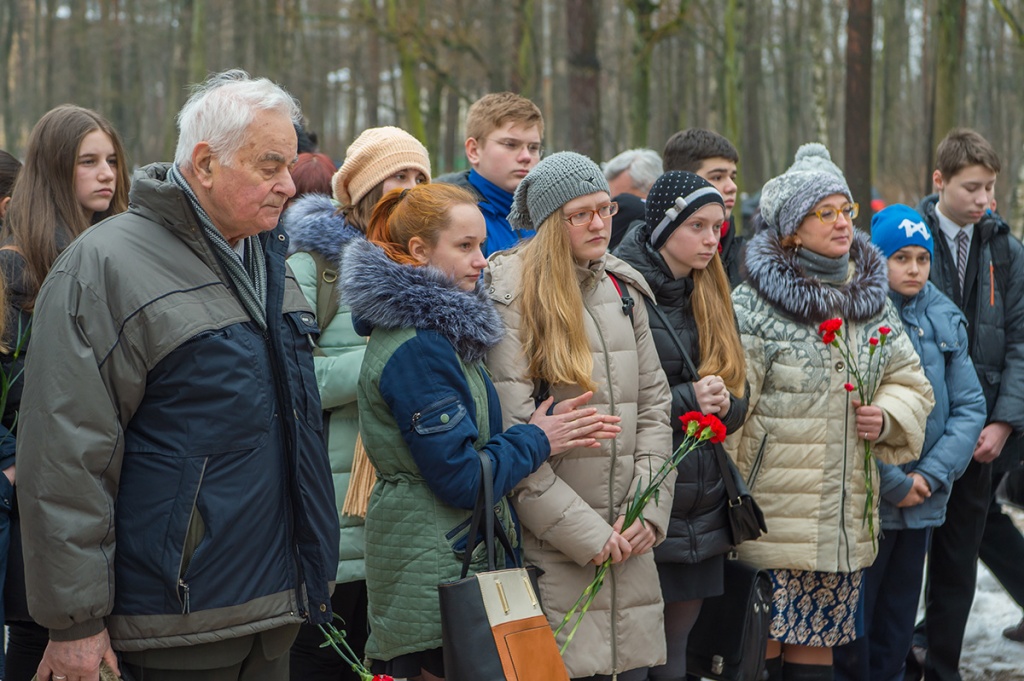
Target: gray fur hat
{"points": [[787, 199], [556, 180]]}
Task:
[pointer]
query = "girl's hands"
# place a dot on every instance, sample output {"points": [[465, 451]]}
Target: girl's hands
{"points": [[572, 425], [712, 395], [617, 548], [640, 535]]}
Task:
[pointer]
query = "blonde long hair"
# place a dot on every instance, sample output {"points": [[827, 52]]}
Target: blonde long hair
{"points": [[721, 353], [555, 340]]}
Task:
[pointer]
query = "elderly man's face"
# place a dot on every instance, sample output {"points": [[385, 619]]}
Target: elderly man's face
{"points": [[245, 196]]}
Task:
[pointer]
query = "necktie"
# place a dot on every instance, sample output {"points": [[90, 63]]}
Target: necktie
{"points": [[962, 246]]}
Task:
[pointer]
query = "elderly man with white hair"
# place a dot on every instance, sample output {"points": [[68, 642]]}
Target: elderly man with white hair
{"points": [[176, 496]]}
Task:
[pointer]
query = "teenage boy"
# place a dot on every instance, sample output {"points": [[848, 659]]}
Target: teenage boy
{"points": [[503, 142], [980, 266], [912, 497], [714, 158]]}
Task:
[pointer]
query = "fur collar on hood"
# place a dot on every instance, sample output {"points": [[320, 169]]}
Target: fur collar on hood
{"points": [[776, 274], [314, 224], [383, 293]]}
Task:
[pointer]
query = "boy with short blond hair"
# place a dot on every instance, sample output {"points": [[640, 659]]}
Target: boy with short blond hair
{"points": [[503, 142], [980, 266]]}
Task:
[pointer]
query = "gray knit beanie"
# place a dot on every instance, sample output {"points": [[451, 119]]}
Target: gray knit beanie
{"points": [[787, 199], [555, 181]]}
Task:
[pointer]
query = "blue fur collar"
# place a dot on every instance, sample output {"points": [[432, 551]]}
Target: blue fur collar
{"points": [[382, 293], [776, 274], [314, 224]]}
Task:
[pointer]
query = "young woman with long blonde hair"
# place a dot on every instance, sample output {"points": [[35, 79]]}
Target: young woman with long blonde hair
{"points": [[575, 325], [698, 343]]}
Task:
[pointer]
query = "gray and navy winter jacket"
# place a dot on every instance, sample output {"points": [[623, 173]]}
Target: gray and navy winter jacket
{"points": [[174, 483]]}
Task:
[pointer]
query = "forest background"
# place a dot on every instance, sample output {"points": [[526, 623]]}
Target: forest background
{"points": [[878, 82]]}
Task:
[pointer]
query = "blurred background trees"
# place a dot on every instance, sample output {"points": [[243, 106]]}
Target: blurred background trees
{"points": [[608, 74]]}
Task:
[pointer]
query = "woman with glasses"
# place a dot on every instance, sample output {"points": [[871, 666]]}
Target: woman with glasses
{"points": [[695, 333], [574, 325], [802, 449]]}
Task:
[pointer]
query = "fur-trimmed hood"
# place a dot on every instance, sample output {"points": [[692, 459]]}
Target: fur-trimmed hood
{"points": [[383, 293], [313, 223], [778, 277]]}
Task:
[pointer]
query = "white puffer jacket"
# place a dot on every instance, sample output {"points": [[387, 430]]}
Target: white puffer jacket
{"points": [[799, 448]]}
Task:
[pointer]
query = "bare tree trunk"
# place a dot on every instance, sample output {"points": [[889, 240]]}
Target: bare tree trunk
{"points": [[584, 77], [893, 61], [752, 172], [733, 87], [858, 104], [8, 20], [949, 50]]}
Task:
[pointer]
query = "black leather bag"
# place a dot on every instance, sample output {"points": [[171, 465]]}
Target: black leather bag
{"points": [[746, 521], [492, 625], [727, 642]]}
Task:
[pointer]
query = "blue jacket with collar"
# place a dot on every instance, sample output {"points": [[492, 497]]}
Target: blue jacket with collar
{"points": [[937, 329]]}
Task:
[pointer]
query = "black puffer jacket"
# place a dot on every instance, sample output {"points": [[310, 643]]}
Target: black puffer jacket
{"points": [[699, 526], [995, 317]]}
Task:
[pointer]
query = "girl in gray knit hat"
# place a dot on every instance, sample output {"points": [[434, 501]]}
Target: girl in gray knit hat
{"points": [[574, 325], [802, 448]]}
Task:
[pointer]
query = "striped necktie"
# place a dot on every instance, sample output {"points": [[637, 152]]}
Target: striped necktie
{"points": [[962, 246]]}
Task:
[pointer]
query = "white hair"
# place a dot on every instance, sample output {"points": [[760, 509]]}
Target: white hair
{"points": [[220, 110], [643, 165]]}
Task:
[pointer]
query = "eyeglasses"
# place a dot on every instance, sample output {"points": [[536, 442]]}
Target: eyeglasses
{"points": [[515, 146], [585, 217], [828, 214]]}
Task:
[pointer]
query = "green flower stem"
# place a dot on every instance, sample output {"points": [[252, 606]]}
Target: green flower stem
{"points": [[333, 638]]}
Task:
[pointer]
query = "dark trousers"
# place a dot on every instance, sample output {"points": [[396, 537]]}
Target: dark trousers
{"points": [[310, 661], [952, 574], [631, 675], [1002, 551], [892, 588], [26, 643], [257, 657]]}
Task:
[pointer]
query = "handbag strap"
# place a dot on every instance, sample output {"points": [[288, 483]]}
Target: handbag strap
{"points": [[720, 456], [484, 507]]}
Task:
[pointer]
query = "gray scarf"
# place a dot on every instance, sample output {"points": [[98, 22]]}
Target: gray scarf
{"points": [[827, 270], [251, 280]]}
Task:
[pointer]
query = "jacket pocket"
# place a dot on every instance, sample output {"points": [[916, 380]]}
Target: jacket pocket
{"points": [[194, 535], [440, 416], [755, 468], [303, 341]]}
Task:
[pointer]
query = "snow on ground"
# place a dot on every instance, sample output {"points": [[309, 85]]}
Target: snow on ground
{"points": [[986, 654]]}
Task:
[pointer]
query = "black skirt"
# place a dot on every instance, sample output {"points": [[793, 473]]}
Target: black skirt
{"points": [[690, 581]]}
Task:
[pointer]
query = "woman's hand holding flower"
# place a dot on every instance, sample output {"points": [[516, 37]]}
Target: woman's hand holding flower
{"points": [[869, 421], [617, 548], [640, 535]]}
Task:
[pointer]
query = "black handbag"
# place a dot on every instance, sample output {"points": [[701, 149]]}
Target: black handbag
{"points": [[746, 521], [727, 642], [492, 625]]}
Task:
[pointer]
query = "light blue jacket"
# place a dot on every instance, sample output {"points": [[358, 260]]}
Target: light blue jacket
{"points": [[938, 331]]}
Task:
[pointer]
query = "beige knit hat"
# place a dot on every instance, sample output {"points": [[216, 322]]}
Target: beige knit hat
{"points": [[374, 156]]}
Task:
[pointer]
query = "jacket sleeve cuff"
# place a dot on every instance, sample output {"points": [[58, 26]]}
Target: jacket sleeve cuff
{"points": [[78, 631]]}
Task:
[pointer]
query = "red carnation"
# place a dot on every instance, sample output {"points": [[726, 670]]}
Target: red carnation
{"points": [[830, 325], [884, 330], [873, 341], [849, 387], [718, 431], [828, 337]]}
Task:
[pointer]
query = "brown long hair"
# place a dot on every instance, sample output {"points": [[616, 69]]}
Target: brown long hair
{"points": [[43, 204], [423, 211], [554, 338], [721, 353]]}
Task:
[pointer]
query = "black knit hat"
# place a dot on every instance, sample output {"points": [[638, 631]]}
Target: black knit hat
{"points": [[675, 196]]}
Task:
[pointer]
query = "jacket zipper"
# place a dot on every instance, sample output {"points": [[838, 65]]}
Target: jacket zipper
{"points": [[842, 496], [611, 488], [182, 584], [755, 469]]}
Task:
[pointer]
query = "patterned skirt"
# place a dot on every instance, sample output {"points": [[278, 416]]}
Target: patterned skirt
{"points": [[816, 608]]}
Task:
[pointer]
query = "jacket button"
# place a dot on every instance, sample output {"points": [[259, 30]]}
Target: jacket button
{"points": [[942, 345], [323, 608], [920, 331], [306, 318], [445, 418], [508, 296], [280, 237], [840, 366]]}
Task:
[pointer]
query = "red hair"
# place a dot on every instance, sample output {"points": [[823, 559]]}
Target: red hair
{"points": [[423, 211], [312, 174]]}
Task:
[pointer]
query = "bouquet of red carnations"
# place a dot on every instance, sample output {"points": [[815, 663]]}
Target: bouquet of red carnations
{"points": [[698, 429]]}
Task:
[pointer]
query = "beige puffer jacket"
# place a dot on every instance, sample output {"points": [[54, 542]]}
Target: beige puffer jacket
{"points": [[799, 449], [568, 506]]}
